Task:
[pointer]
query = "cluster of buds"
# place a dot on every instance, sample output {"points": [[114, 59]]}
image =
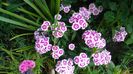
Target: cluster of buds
{"points": [[82, 60], [102, 58], [78, 21], [58, 16], [120, 35], [66, 9], [26, 65], [57, 52], [93, 39], [71, 46], [42, 44], [65, 66], [94, 10], [59, 29]]}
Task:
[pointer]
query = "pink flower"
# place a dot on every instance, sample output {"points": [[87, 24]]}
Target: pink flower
{"points": [[58, 16], [26, 65], [66, 9], [45, 25], [120, 35], [93, 39], [71, 46], [42, 44], [57, 52], [78, 21], [82, 60], [95, 11], [101, 58], [92, 5], [59, 31], [85, 13], [75, 26], [65, 66]]}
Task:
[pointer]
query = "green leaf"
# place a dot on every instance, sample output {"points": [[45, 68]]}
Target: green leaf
{"points": [[17, 23], [20, 35], [113, 6], [129, 41], [111, 65], [109, 16], [25, 48], [35, 8], [9, 53], [18, 16], [44, 8], [129, 25], [57, 6], [27, 12], [73, 35]]}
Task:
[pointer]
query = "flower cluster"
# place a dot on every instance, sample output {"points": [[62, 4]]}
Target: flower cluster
{"points": [[57, 52], [85, 13], [82, 60], [42, 44], [93, 39], [45, 25], [58, 16], [120, 35], [101, 58], [65, 66], [71, 46], [94, 10], [77, 21], [66, 9], [26, 65], [59, 30]]}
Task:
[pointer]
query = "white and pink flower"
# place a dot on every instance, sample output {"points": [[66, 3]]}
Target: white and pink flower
{"points": [[65, 66], [93, 39], [120, 35], [45, 25], [57, 52], [71, 46], [101, 58], [82, 60]]}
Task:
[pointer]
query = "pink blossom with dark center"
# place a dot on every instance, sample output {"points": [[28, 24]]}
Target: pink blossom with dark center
{"points": [[93, 39], [26, 65], [82, 60], [101, 58], [57, 52], [65, 66], [71, 46], [120, 35], [45, 25]]}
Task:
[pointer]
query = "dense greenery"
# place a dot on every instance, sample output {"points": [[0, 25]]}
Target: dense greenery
{"points": [[20, 18]]}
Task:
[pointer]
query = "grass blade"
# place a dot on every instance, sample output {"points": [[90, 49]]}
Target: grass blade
{"points": [[27, 12], [17, 16], [17, 23], [43, 6], [20, 35], [35, 8], [9, 53]]}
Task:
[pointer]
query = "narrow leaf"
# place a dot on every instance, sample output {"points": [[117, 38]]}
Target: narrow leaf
{"points": [[20, 35], [17, 23], [18, 16], [35, 8]]}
